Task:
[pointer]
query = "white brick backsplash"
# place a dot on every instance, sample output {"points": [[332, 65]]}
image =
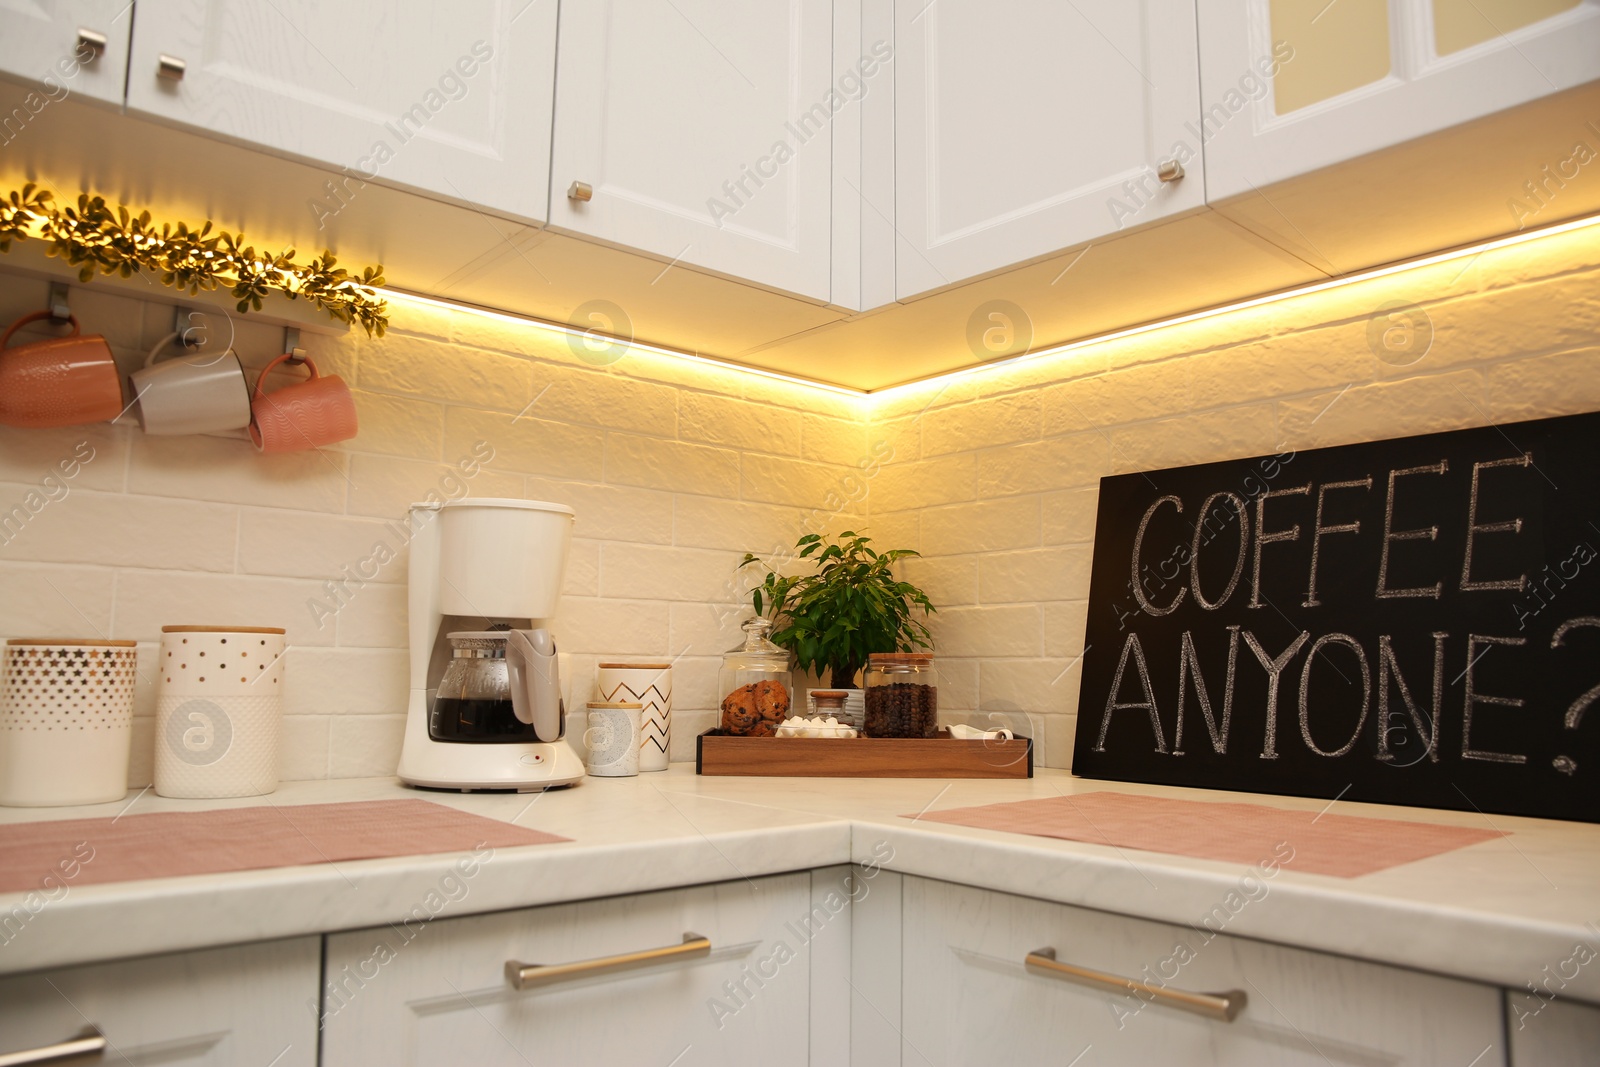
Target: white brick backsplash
{"points": [[121, 530], [398, 426], [1388, 409], [802, 484], [364, 746], [718, 420], [45, 601], [989, 526], [384, 488], [527, 444], [1040, 574], [609, 512], [655, 572], [612, 627], [1070, 516], [329, 681], [923, 483], [1232, 434], [982, 424], [229, 471], [676, 468], [671, 465], [1081, 459], [96, 456], [149, 600], [706, 522], [292, 544]]}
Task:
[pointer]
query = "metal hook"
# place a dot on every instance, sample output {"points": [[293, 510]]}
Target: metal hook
{"points": [[60, 308], [186, 334], [291, 345]]}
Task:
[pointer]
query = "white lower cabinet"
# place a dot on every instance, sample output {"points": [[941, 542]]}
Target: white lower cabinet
{"points": [[439, 992], [1549, 1032], [248, 1004], [967, 996]]}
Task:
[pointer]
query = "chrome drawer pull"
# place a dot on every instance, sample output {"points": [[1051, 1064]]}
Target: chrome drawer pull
{"points": [[1224, 1007], [530, 975], [91, 1042]]}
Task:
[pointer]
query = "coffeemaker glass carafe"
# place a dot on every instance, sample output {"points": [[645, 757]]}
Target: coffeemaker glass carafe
{"points": [[474, 701]]}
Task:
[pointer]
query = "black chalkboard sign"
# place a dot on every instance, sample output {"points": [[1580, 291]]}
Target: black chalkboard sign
{"points": [[1414, 621]]}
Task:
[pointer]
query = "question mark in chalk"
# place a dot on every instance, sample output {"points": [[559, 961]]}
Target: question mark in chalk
{"points": [[1566, 764]]}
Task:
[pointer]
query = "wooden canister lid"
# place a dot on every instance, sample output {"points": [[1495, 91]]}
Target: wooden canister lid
{"points": [[72, 642], [222, 630], [635, 666], [607, 704]]}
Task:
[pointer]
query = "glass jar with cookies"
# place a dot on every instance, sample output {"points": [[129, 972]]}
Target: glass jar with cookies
{"points": [[755, 684]]}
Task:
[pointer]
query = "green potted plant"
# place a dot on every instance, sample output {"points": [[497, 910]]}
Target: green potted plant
{"points": [[850, 607]]}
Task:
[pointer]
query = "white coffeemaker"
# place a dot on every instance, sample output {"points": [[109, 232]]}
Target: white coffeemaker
{"points": [[485, 710]]}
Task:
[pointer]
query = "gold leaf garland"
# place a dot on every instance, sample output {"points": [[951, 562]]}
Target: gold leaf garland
{"points": [[97, 238]]}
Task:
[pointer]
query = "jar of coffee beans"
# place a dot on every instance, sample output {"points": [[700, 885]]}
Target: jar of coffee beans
{"points": [[902, 695]]}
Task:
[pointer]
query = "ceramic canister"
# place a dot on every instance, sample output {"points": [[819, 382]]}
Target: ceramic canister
{"points": [[219, 700], [650, 684], [66, 720]]}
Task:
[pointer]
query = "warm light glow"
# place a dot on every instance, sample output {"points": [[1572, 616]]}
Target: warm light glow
{"points": [[400, 296]]}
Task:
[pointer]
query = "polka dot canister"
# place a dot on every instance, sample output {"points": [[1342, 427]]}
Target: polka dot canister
{"points": [[219, 701], [66, 720]]}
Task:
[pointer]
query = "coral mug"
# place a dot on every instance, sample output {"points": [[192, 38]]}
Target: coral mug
{"points": [[59, 381], [318, 411]]}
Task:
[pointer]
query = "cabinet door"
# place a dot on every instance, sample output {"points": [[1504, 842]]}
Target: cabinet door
{"points": [[448, 99], [1290, 86], [1022, 128], [968, 997], [52, 43], [251, 1004], [704, 131], [437, 992], [1549, 1032]]}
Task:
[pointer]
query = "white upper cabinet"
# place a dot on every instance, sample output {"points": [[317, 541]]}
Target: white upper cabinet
{"points": [[700, 131], [451, 99], [68, 47], [1351, 77], [1023, 127]]}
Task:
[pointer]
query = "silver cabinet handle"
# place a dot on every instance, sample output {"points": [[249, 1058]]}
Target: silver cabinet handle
{"points": [[1169, 170], [1223, 1007], [530, 975], [170, 68], [580, 191], [93, 40], [89, 1043]]}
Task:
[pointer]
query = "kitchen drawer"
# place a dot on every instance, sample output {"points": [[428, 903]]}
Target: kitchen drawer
{"points": [[968, 997], [437, 992], [250, 1004]]}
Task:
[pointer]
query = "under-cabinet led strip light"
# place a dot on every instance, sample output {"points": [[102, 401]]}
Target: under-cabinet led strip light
{"points": [[1369, 274]]}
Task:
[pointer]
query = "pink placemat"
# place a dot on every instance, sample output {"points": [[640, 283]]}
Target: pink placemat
{"points": [[1344, 846], [169, 844]]}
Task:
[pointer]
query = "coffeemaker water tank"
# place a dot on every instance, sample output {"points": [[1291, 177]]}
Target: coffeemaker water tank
{"points": [[502, 558]]}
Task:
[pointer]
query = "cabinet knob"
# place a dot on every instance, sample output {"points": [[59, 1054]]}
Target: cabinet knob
{"points": [[580, 191], [171, 68], [1169, 170], [90, 1042], [93, 40]]}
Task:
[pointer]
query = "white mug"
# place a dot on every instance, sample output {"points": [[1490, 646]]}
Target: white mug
{"points": [[612, 740], [219, 699], [201, 392], [651, 685]]}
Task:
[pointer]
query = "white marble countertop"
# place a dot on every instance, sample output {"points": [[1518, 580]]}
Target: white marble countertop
{"points": [[1499, 911]]}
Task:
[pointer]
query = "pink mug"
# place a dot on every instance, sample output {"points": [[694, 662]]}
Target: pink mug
{"points": [[59, 381], [318, 411]]}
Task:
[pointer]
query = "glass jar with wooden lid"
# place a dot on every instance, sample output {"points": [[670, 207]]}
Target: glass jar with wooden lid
{"points": [[902, 695]]}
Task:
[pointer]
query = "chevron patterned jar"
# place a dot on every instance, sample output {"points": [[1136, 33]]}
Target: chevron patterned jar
{"points": [[650, 684]]}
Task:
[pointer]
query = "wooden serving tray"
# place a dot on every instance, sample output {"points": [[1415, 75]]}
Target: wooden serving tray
{"points": [[717, 753]]}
